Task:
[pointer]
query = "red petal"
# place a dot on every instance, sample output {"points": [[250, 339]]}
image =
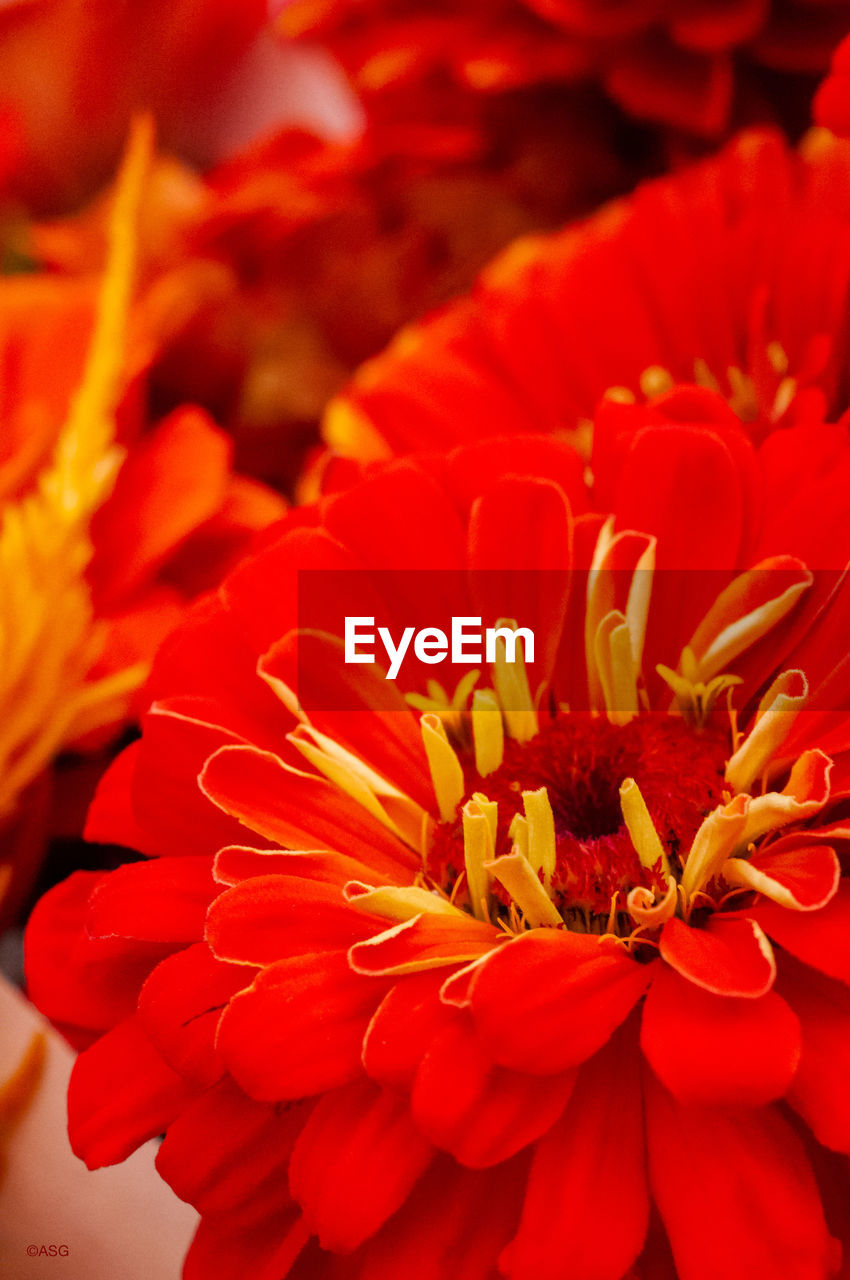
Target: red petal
{"points": [[680, 484], [180, 1006], [819, 1089], [73, 978], [718, 1049], [111, 819], [174, 479], [225, 1151], [429, 941], [546, 1001], [256, 1244], [747, 1205], [237, 863], [382, 521], [266, 616], [355, 1163], [482, 1114], [820, 938], [297, 810], [527, 578], [587, 1190], [410, 1016], [167, 800], [299, 1029], [208, 657], [808, 873], [454, 1224], [271, 917], [730, 956], [121, 1094], [164, 900]]}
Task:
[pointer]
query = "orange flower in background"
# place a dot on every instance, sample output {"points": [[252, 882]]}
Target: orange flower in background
{"points": [[689, 64], [414, 972], [266, 282], [733, 274], [105, 533]]}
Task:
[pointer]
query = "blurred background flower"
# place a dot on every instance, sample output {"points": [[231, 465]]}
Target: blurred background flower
{"points": [[110, 521], [696, 66]]}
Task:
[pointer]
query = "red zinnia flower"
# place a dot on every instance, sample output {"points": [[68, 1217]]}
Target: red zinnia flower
{"points": [[680, 63], [733, 274], [543, 975]]}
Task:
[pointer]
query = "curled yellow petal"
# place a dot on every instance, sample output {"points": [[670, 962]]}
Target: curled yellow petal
{"points": [[776, 713], [516, 874]]}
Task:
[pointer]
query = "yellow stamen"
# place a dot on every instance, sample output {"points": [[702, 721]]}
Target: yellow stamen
{"points": [[515, 873], [518, 833], [391, 807], [477, 855], [437, 700], [655, 381], [785, 393], [778, 358], [620, 395], [721, 832], [491, 812], [695, 698], [604, 596], [641, 828], [446, 770], [487, 731], [348, 431], [616, 668], [776, 713], [541, 833], [513, 690], [742, 397], [703, 376], [398, 903]]}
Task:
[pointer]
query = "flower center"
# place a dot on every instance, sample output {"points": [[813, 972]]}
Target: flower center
{"points": [[580, 763]]}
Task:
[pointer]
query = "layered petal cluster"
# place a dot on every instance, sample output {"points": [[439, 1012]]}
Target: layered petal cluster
{"points": [[544, 974], [679, 62], [267, 281], [106, 531], [733, 274]]}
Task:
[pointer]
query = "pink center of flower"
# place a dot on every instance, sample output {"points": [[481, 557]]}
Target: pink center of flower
{"points": [[581, 761]]}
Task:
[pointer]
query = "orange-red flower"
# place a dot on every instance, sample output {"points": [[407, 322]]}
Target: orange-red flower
{"points": [[733, 274], [106, 530], [549, 964], [265, 283], [682, 63]]}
